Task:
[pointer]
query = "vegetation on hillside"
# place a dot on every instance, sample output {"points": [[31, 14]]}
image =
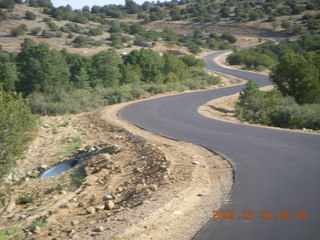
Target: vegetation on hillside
{"points": [[199, 11], [295, 102], [267, 55]]}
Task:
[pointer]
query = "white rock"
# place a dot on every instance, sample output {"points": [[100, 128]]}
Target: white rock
{"points": [[90, 210], [100, 207], [107, 197]]}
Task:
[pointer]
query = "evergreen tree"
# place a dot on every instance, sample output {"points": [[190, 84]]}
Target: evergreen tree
{"points": [[8, 76], [149, 63], [105, 68], [298, 77], [41, 69], [175, 65], [16, 127]]}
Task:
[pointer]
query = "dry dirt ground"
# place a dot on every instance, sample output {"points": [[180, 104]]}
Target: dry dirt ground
{"points": [[127, 187]]}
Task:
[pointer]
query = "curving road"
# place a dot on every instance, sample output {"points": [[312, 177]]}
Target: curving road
{"points": [[274, 170]]}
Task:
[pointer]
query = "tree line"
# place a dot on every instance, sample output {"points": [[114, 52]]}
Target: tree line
{"points": [[49, 78]]}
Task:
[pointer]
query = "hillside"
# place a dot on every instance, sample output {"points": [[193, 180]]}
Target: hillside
{"points": [[111, 26]]}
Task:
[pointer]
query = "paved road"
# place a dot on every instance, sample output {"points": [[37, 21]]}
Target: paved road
{"points": [[274, 170]]}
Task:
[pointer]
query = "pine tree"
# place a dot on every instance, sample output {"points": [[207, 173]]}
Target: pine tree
{"points": [[41, 70], [105, 68], [17, 125], [8, 76]]}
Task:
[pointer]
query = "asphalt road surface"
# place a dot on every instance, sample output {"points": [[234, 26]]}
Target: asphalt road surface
{"points": [[275, 170]]}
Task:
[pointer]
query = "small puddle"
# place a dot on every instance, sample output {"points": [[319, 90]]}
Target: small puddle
{"points": [[60, 167]]}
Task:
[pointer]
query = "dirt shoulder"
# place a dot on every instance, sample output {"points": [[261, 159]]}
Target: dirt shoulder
{"points": [[132, 184]]}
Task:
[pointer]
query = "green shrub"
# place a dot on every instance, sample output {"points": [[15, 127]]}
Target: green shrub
{"points": [[16, 129], [7, 4], [46, 19], [271, 108], [30, 15], [229, 37], [10, 234], [26, 198], [95, 32], [52, 26], [20, 30], [47, 34], [36, 30], [3, 15], [59, 34]]}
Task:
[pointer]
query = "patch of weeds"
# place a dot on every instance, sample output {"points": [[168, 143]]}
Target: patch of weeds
{"points": [[74, 144], [26, 198], [64, 124], [76, 178], [71, 148], [55, 189], [10, 234], [54, 130], [38, 223]]}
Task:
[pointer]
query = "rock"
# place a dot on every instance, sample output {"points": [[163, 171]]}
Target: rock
{"points": [[56, 238], [90, 210], [98, 229], [63, 192], [114, 136], [80, 204], [100, 207], [36, 229], [64, 205], [195, 163], [43, 166], [163, 168], [120, 189], [107, 197], [111, 150], [11, 206], [69, 230], [137, 170], [80, 150], [109, 205], [74, 222], [74, 199], [46, 125], [154, 187]]}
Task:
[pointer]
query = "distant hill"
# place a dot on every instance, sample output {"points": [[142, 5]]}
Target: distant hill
{"points": [[90, 30]]}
